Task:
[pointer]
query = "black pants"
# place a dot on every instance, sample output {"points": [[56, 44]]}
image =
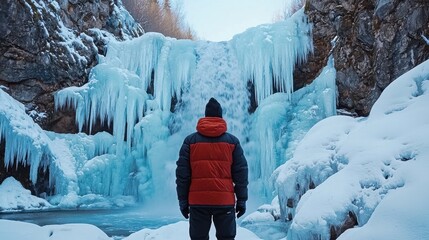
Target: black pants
{"points": [[200, 220]]}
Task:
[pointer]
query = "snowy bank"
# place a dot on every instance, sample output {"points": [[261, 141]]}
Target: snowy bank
{"points": [[15, 197], [180, 230], [14, 230], [367, 173]]}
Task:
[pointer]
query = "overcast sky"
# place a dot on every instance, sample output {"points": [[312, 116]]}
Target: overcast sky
{"points": [[219, 20]]}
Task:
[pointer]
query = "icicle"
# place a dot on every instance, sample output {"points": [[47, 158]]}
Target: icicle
{"points": [[117, 88], [28, 144], [24, 140], [268, 53], [162, 82], [182, 64], [270, 116]]}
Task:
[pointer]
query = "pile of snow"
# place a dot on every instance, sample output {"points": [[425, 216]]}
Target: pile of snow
{"points": [[15, 197], [264, 222], [373, 168], [180, 230], [14, 230]]}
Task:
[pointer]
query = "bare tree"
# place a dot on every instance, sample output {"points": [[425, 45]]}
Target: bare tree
{"points": [[289, 8], [156, 18]]}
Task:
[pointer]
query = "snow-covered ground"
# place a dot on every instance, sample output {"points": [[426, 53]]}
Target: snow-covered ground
{"points": [[14, 230], [371, 170], [14, 197]]}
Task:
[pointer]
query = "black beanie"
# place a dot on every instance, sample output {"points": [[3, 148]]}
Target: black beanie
{"points": [[213, 108]]}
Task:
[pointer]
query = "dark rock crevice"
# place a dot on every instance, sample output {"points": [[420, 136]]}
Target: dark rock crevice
{"points": [[21, 172], [350, 221]]}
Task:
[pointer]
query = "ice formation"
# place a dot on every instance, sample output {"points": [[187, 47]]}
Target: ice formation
{"points": [[270, 52], [132, 89], [15, 197], [133, 86], [279, 124], [27, 144]]}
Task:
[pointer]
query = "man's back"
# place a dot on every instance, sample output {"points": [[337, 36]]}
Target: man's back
{"points": [[211, 174], [212, 151]]}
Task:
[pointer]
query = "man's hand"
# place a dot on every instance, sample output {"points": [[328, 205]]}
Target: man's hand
{"points": [[184, 208], [240, 208]]}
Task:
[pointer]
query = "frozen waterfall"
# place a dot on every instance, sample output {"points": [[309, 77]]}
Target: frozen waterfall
{"points": [[152, 90]]}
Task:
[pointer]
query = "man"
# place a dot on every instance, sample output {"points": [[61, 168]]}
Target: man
{"points": [[211, 177]]}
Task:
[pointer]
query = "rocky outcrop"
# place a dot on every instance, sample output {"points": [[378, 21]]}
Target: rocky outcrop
{"points": [[377, 41], [48, 45]]}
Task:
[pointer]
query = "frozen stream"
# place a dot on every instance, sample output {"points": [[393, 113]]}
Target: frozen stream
{"points": [[117, 223], [120, 223]]}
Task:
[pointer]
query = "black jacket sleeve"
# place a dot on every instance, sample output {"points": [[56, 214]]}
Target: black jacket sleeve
{"points": [[183, 172], [239, 173]]}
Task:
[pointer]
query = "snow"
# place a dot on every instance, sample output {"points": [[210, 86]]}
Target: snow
{"points": [[14, 230], [15, 197], [37, 115], [372, 167], [180, 230], [264, 222], [425, 39]]}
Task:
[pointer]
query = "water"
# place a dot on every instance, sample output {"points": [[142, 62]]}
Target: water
{"points": [[116, 223]]}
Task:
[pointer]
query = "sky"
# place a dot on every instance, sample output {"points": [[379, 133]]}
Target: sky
{"points": [[220, 20]]}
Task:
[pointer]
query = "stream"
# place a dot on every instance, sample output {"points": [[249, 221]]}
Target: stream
{"points": [[116, 223]]}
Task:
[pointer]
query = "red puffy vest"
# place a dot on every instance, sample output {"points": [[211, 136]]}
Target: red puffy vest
{"points": [[211, 180]]}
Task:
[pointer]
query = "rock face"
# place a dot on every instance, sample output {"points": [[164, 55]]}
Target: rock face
{"points": [[48, 45], [377, 41]]}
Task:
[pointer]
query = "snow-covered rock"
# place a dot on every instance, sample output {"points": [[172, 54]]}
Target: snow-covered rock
{"points": [[15, 197], [369, 171], [180, 230], [14, 230]]}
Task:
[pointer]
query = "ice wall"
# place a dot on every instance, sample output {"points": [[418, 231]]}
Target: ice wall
{"points": [[279, 124]]}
